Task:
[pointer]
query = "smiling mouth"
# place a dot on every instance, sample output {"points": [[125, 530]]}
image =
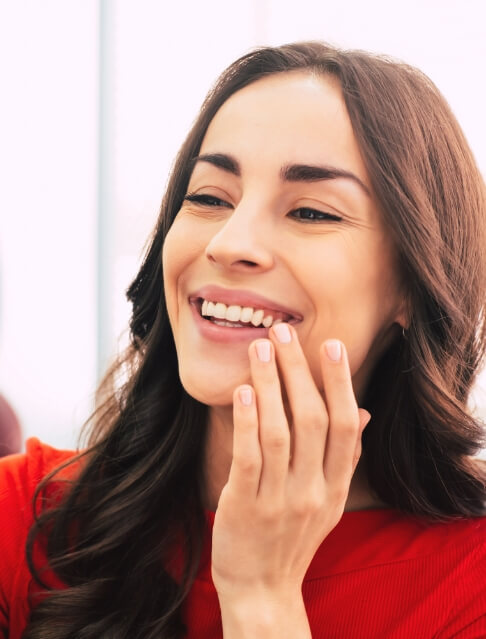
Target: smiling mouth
{"points": [[234, 316]]}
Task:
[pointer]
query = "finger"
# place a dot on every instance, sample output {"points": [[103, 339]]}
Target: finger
{"points": [[344, 421], [246, 465], [273, 426], [309, 414], [364, 418]]}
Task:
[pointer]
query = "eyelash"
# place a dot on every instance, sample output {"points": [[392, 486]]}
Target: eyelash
{"points": [[211, 200]]}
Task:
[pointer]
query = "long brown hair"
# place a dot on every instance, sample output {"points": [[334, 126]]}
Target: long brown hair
{"points": [[137, 495]]}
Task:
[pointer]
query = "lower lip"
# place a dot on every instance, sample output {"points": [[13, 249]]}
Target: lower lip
{"points": [[225, 334]]}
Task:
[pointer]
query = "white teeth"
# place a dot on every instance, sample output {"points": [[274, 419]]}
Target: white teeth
{"points": [[235, 313], [220, 311], [256, 320], [227, 324], [246, 314]]}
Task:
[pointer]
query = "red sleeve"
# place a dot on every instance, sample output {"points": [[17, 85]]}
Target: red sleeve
{"points": [[19, 476]]}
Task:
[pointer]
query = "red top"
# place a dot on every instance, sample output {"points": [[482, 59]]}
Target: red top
{"points": [[378, 574]]}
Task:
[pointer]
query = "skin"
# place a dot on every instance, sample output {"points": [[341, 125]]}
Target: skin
{"points": [[300, 436]]}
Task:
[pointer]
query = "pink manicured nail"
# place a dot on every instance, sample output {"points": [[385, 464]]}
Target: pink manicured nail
{"points": [[245, 396], [333, 349], [263, 350], [282, 332]]}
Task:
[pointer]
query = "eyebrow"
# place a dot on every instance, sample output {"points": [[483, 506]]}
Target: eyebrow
{"points": [[288, 173]]}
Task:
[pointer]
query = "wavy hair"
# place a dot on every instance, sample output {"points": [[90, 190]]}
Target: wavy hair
{"points": [[126, 536]]}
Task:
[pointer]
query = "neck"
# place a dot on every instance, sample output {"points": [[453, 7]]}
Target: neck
{"points": [[219, 453]]}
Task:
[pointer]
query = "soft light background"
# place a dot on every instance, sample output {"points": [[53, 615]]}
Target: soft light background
{"points": [[96, 98]]}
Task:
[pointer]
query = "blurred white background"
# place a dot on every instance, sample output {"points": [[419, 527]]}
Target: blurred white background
{"points": [[96, 98]]}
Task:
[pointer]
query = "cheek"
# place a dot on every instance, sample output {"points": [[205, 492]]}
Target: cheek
{"points": [[170, 269], [179, 251], [358, 281], [182, 246], [354, 297]]}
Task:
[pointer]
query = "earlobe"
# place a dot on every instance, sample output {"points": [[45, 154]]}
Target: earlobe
{"points": [[403, 322], [402, 316]]}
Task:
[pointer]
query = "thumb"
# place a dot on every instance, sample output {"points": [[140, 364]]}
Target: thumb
{"points": [[364, 418]]}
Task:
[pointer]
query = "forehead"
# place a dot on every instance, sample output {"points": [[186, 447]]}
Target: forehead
{"points": [[287, 117]]}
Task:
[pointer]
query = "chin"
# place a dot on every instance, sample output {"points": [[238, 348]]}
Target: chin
{"points": [[204, 388], [209, 396]]}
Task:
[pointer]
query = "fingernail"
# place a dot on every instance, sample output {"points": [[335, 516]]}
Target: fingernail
{"points": [[263, 350], [245, 396], [333, 349], [282, 332]]}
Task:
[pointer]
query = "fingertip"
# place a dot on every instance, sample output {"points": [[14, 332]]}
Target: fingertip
{"points": [[364, 419], [245, 395], [334, 349]]}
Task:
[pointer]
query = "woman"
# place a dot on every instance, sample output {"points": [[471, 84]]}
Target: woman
{"points": [[319, 258]]}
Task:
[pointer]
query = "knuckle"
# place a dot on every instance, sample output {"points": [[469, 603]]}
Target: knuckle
{"points": [[247, 464], [272, 512], [340, 494], [347, 424], [276, 440], [264, 373], [266, 376], [340, 377], [312, 418], [336, 515], [293, 357], [310, 501], [308, 505]]}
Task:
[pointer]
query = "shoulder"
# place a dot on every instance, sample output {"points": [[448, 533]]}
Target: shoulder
{"points": [[428, 579], [455, 537], [368, 539], [460, 543], [20, 475]]}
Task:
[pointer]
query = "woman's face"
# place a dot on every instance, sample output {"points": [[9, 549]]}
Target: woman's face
{"points": [[280, 206]]}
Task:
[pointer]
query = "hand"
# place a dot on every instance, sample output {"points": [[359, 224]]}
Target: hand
{"points": [[287, 487]]}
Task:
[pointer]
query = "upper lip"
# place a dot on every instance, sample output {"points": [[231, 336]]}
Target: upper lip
{"points": [[211, 292]]}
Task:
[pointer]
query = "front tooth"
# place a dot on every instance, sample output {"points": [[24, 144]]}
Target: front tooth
{"points": [[220, 311], [256, 320], [233, 313], [246, 314]]}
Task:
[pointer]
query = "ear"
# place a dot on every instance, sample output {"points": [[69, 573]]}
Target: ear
{"points": [[402, 315]]}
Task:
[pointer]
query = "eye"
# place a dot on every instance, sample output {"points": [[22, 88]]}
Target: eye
{"points": [[304, 214], [206, 200], [311, 215]]}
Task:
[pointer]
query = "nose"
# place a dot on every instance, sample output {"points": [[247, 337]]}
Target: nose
{"points": [[243, 243]]}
